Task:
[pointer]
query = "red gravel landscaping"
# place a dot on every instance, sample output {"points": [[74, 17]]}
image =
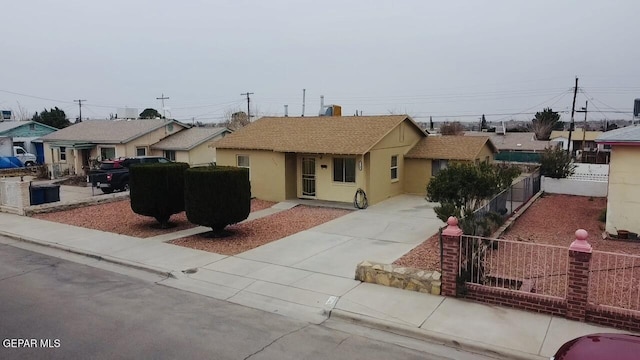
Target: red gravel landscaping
{"points": [[254, 233], [117, 217], [552, 219]]}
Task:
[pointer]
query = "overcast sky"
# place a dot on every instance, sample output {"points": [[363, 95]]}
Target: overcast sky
{"points": [[452, 59]]}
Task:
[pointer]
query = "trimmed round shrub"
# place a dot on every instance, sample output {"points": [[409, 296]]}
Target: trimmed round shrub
{"points": [[157, 190], [217, 196]]}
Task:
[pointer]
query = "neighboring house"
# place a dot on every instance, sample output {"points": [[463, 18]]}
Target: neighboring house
{"points": [[324, 158], [73, 148], [25, 133], [434, 153], [190, 145], [623, 199], [577, 137], [515, 146]]}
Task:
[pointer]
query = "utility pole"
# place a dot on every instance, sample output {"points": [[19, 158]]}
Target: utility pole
{"points": [[163, 98], [248, 105], [573, 110], [584, 128], [79, 101]]}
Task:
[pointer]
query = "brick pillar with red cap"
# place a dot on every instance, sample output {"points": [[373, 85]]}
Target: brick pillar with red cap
{"points": [[578, 276], [450, 257]]}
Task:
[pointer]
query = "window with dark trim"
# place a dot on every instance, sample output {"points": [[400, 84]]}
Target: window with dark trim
{"points": [[170, 154], [344, 170], [141, 151], [63, 153], [394, 167], [438, 165]]}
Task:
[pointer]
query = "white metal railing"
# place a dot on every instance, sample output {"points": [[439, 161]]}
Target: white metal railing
{"points": [[615, 280], [514, 265]]}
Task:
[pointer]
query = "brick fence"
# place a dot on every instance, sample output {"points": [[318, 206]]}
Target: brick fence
{"points": [[575, 306]]}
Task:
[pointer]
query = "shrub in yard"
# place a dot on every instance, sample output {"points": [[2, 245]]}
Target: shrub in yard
{"points": [[556, 163], [217, 196], [157, 190]]}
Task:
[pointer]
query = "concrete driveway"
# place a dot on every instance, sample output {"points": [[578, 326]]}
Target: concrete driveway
{"points": [[383, 233]]}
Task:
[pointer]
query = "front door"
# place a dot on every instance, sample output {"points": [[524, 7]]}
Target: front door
{"points": [[309, 177]]}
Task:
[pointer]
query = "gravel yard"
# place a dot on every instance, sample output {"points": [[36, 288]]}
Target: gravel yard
{"points": [[552, 219], [251, 234], [117, 217]]}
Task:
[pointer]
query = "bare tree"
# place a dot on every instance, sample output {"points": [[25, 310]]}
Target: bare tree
{"points": [[22, 114], [236, 118], [454, 128]]}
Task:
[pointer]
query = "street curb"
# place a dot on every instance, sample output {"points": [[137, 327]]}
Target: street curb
{"points": [[106, 258], [432, 336]]}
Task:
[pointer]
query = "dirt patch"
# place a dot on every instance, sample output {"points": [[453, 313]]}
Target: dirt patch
{"points": [[251, 234], [117, 217]]}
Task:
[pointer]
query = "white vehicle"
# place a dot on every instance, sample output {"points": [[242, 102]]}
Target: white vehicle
{"points": [[24, 156]]}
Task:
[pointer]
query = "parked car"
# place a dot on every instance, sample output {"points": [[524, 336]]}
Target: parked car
{"points": [[24, 156], [114, 174], [600, 347]]}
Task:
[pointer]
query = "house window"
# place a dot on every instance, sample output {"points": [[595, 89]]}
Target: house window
{"points": [[62, 154], [242, 161], [394, 167], [438, 165], [107, 153], [170, 154], [344, 170], [141, 151]]}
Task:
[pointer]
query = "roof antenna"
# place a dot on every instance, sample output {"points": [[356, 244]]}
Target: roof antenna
{"points": [[304, 91]]}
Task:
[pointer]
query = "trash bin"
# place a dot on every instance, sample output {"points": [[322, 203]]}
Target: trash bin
{"points": [[36, 194], [51, 193]]}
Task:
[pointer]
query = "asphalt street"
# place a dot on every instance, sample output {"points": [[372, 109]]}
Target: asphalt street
{"points": [[52, 308]]}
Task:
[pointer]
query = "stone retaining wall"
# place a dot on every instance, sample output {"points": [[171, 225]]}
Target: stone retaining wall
{"points": [[399, 277]]}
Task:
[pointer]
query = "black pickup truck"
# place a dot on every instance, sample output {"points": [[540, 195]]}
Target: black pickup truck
{"points": [[114, 174]]}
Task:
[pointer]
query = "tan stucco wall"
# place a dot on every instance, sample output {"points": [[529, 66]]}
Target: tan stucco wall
{"points": [[398, 142], [150, 139], [417, 174], [326, 188], [623, 202], [202, 155], [486, 152], [291, 182], [267, 171]]}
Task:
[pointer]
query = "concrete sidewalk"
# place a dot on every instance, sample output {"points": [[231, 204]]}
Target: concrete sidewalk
{"points": [[309, 276]]}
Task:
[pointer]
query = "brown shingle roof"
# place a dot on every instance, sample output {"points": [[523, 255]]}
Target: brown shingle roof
{"points": [[349, 135], [449, 147], [107, 131], [189, 138]]}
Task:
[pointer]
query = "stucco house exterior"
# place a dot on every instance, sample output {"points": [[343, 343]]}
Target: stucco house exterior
{"points": [[70, 150], [190, 145], [577, 137], [434, 153], [325, 158], [623, 199], [25, 133]]}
